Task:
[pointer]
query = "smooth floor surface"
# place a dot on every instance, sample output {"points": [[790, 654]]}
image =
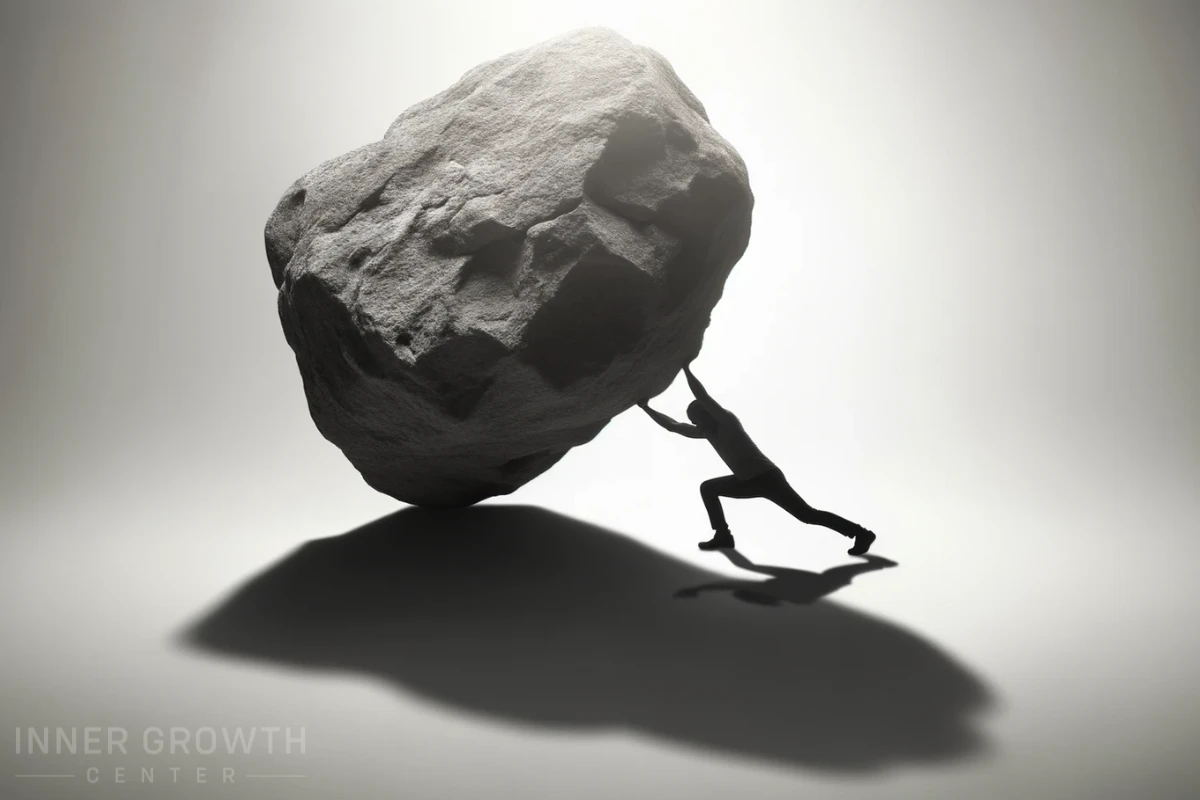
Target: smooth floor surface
{"points": [[509, 650]]}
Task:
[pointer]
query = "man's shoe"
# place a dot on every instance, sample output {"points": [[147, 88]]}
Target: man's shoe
{"points": [[862, 542], [721, 540]]}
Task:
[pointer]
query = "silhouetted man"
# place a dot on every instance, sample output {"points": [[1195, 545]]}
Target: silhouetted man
{"points": [[754, 475]]}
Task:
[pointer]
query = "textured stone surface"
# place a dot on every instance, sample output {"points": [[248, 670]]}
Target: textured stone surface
{"points": [[519, 259]]}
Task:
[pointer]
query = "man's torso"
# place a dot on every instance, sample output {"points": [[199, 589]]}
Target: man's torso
{"points": [[737, 449]]}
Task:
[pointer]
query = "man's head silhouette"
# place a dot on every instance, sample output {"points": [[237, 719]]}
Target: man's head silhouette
{"points": [[700, 417]]}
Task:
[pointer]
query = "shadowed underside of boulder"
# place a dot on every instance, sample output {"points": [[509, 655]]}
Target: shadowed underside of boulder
{"points": [[518, 260]]}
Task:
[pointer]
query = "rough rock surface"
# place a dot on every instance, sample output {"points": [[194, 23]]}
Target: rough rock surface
{"points": [[518, 260]]}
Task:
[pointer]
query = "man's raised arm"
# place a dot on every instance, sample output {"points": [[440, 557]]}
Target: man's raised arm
{"points": [[698, 390], [682, 428]]}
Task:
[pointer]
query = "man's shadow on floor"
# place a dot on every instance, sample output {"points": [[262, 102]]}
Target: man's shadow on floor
{"points": [[784, 584], [531, 617]]}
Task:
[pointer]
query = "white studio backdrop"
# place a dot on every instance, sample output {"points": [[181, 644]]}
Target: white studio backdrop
{"points": [[966, 318]]}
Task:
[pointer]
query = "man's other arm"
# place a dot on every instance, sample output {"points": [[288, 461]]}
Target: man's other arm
{"points": [[682, 428]]}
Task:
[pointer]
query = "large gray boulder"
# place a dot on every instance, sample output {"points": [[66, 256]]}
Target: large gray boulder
{"points": [[519, 259]]}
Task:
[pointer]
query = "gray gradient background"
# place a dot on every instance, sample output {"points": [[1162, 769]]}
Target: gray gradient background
{"points": [[968, 316]]}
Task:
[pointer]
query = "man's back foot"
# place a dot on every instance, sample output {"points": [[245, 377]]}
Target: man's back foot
{"points": [[862, 542], [721, 540]]}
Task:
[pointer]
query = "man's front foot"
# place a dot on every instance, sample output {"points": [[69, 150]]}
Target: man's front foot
{"points": [[862, 542], [721, 540]]}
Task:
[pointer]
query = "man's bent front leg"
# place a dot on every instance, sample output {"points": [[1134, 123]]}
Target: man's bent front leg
{"points": [[710, 493]]}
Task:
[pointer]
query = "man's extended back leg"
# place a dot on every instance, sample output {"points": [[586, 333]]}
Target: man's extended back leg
{"points": [[787, 498]]}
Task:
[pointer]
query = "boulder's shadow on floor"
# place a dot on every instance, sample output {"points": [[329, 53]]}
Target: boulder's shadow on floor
{"points": [[531, 617]]}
